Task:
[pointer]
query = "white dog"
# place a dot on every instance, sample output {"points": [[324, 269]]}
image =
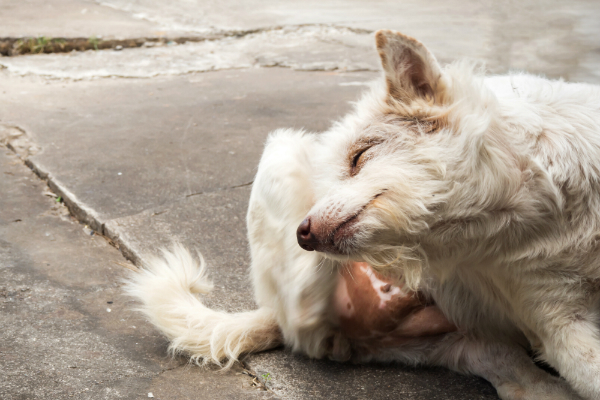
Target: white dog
{"points": [[480, 194]]}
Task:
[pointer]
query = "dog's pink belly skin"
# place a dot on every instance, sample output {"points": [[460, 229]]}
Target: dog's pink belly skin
{"points": [[371, 309]]}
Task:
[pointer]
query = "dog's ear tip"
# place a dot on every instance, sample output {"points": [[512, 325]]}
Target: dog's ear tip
{"points": [[383, 36]]}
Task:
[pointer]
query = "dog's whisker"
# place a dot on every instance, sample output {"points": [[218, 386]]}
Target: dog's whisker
{"points": [[350, 272], [320, 265]]}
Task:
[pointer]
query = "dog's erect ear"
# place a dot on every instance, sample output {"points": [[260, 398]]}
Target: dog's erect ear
{"points": [[411, 71]]}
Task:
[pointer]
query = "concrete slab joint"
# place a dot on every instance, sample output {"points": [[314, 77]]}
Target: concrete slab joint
{"points": [[20, 143]]}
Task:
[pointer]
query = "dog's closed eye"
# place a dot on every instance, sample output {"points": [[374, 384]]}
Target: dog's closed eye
{"points": [[359, 159]]}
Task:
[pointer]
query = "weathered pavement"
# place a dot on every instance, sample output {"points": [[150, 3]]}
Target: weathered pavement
{"points": [[67, 332], [151, 144]]}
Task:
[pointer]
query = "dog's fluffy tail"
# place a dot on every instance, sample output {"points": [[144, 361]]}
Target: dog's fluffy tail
{"points": [[167, 288]]}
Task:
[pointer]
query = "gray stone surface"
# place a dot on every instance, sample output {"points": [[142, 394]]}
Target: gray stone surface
{"points": [[161, 143], [67, 331], [70, 18], [211, 223], [295, 377]]}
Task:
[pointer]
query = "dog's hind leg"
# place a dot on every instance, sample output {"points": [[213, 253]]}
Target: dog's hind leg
{"points": [[507, 367], [574, 350]]}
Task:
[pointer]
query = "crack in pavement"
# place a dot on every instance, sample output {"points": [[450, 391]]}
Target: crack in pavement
{"points": [[17, 140], [308, 47], [11, 47], [219, 189], [16, 46], [84, 214]]}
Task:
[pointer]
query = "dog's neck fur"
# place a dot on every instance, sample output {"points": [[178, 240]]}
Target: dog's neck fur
{"points": [[542, 216], [519, 187]]}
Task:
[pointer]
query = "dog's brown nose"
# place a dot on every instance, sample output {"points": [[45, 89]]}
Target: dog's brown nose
{"points": [[306, 239]]}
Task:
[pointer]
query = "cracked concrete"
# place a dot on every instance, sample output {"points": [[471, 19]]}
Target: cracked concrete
{"points": [[160, 142], [67, 330]]}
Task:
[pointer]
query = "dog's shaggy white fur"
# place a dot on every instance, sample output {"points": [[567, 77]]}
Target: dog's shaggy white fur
{"points": [[483, 193]]}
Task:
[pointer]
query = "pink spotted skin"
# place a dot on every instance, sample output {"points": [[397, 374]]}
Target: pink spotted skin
{"points": [[375, 312]]}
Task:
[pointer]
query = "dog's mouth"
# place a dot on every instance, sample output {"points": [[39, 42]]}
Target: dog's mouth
{"points": [[341, 239], [345, 231]]}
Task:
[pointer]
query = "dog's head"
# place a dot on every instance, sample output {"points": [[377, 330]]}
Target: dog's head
{"points": [[392, 169]]}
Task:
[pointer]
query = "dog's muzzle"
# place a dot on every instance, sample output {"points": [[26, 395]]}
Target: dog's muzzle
{"points": [[314, 238]]}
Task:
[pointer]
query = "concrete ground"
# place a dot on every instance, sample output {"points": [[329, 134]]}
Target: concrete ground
{"points": [[109, 154]]}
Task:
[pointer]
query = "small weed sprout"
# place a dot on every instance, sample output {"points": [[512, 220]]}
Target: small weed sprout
{"points": [[42, 44], [39, 45], [93, 40], [266, 377]]}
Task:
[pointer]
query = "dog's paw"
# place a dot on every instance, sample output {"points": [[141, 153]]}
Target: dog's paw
{"points": [[546, 389]]}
